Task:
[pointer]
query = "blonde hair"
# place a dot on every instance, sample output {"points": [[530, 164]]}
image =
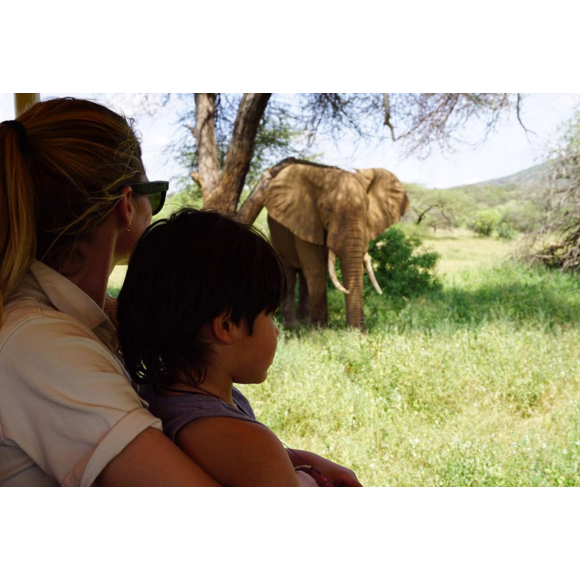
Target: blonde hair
{"points": [[58, 187]]}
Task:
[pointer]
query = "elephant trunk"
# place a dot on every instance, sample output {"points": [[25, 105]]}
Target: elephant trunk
{"points": [[352, 274]]}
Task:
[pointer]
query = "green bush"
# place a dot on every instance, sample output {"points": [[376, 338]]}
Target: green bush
{"points": [[486, 222], [506, 231], [403, 266], [522, 214]]}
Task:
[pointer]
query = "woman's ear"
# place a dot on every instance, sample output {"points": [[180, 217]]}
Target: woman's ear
{"points": [[125, 209]]}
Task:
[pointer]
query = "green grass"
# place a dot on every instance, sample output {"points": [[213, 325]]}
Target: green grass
{"points": [[461, 249], [475, 385]]}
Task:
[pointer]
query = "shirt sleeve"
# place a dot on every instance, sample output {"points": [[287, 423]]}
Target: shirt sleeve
{"points": [[66, 401]]}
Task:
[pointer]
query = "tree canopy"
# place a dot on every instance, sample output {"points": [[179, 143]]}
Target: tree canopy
{"points": [[240, 134]]}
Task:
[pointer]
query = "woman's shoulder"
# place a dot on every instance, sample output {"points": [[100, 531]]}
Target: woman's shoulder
{"points": [[41, 345], [27, 318]]}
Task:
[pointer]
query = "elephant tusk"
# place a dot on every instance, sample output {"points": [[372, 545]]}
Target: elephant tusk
{"points": [[371, 273], [332, 272]]}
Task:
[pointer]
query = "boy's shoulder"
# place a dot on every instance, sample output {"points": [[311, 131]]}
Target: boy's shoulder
{"points": [[238, 453], [243, 403], [176, 412]]}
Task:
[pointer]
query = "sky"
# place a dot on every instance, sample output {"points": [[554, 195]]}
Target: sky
{"points": [[508, 150]]}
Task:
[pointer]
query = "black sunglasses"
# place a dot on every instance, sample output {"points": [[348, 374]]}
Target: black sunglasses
{"points": [[156, 191]]}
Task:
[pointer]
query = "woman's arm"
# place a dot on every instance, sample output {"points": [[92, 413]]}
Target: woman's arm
{"points": [[152, 460], [238, 453]]}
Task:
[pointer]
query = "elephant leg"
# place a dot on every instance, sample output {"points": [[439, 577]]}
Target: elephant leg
{"points": [[313, 259], [290, 321], [303, 308]]}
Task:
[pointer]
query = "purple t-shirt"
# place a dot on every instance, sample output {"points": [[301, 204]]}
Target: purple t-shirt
{"points": [[176, 412]]}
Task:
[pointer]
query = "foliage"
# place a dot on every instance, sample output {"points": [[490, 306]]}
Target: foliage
{"points": [[439, 209], [486, 195], [187, 197], [558, 234], [403, 267], [520, 204], [486, 222], [523, 215], [506, 231], [277, 138]]}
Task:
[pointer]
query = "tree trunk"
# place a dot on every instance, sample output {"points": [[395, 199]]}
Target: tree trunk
{"points": [[204, 132], [225, 196]]}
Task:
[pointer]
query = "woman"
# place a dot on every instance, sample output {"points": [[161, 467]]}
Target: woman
{"points": [[72, 206]]}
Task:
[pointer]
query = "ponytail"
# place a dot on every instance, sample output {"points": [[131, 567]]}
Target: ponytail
{"points": [[17, 214]]}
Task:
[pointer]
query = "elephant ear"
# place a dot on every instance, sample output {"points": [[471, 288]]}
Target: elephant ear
{"points": [[290, 201], [388, 201]]}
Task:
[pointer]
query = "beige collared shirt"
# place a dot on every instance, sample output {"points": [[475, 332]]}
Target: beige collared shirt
{"points": [[67, 407]]}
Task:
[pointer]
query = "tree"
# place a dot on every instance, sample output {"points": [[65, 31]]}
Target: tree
{"points": [[558, 235], [276, 138], [226, 126], [438, 208]]}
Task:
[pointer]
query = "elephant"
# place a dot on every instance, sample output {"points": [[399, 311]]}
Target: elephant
{"points": [[317, 213]]}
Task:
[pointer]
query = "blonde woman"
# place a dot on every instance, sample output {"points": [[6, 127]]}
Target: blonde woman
{"points": [[74, 200]]}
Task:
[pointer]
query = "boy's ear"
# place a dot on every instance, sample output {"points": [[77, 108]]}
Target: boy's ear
{"points": [[223, 328]]}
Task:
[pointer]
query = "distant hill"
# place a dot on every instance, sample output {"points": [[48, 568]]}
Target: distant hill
{"points": [[516, 197], [524, 178]]}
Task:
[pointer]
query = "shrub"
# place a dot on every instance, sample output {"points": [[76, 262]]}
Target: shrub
{"points": [[486, 222], [506, 232], [403, 266]]}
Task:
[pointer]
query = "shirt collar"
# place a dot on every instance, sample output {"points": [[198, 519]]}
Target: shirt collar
{"points": [[69, 299]]}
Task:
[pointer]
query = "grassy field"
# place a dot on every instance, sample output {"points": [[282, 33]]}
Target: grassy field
{"points": [[475, 385], [461, 250]]}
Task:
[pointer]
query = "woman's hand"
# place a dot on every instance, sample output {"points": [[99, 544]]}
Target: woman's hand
{"points": [[338, 475], [305, 480]]}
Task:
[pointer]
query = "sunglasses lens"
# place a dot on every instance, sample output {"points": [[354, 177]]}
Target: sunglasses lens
{"points": [[155, 199]]}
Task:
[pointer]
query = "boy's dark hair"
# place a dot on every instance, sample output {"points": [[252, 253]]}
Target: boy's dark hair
{"points": [[185, 271]]}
